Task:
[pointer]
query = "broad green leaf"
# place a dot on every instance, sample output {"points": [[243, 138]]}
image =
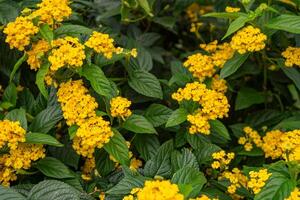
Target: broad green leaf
{"points": [[177, 117], [143, 60], [9, 10], [18, 115], [118, 148], [182, 159], [71, 29], [160, 164], [17, 66], [196, 140], [290, 72], [157, 114], [190, 176], [289, 23], [7, 193], [219, 128], [224, 15], [253, 153], [236, 25], [145, 5], [41, 138], [10, 94], [232, 65], [288, 124], [146, 145], [46, 119], [145, 83], [138, 124], [247, 97], [166, 21], [27, 101], [98, 80], [53, 189], [23, 189], [104, 164], [204, 152], [40, 79], [46, 32], [53, 168]]}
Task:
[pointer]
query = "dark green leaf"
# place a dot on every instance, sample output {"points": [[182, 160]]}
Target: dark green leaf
{"points": [[247, 97], [219, 128], [18, 115], [177, 117], [146, 145], [290, 72], [236, 25], [138, 124], [157, 114], [40, 79], [10, 94], [46, 32], [17, 66], [233, 64], [7, 193], [71, 29], [289, 23], [41, 138], [182, 159]]}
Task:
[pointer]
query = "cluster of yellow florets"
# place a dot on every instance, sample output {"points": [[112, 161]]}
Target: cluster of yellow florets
{"points": [[102, 43], [292, 56], [219, 85], [295, 195], [11, 134], [204, 197], [251, 137], [77, 105], [52, 11], [258, 180], [213, 105], [36, 53], [271, 144], [231, 9], [248, 39], [66, 52], [88, 168], [19, 33], [93, 133], [236, 178], [290, 145], [119, 107], [156, 190], [221, 159]]}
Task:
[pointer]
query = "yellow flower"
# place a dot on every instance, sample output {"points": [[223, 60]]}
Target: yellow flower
{"points": [[258, 180], [290, 145], [251, 137], [221, 159], [248, 39], [236, 178], [219, 85], [11, 134], [52, 11], [231, 9], [92, 133], [7, 175], [133, 53], [295, 195], [66, 51], [102, 43], [135, 164], [77, 105], [119, 107], [204, 197], [271, 144], [292, 56], [199, 123], [19, 33], [37, 51]]}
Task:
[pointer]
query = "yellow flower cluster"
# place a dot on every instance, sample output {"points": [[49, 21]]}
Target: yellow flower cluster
{"points": [[214, 105], [271, 144], [52, 11], [236, 178], [66, 51], [258, 180], [156, 190], [36, 53], [248, 39], [295, 195], [88, 168], [119, 107], [77, 105], [204, 197], [231, 9], [290, 145], [92, 133], [292, 56], [219, 85], [19, 33], [251, 137], [221, 159], [102, 43], [11, 134]]}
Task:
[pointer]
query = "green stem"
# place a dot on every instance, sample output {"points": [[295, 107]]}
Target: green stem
{"points": [[17, 66]]}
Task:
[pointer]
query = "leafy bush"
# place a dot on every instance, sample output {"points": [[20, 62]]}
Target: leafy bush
{"points": [[149, 99]]}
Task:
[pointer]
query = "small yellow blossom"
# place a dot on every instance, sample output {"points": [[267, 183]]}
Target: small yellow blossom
{"points": [[135, 164], [290, 145], [251, 137], [119, 107], [204, 197], [221, 159], [258, 180], [292, 56], [231, 9], [88, 168], [295, 195], [11, 134], [134, 53], [236, 178], [37, 51], [271, 144]]}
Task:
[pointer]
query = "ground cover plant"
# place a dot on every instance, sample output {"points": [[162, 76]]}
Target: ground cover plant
{"points": [[149, 99]]}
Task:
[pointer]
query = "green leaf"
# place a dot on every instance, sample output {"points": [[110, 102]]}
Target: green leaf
{"points": [[9, 10], [166, 21], [247, 97], [18, 115], [145, 5], [7, 193], [157, 114], [143, 60], [196, 140], [278, 187], [53, 168], [10, 94], [53, 189], [46, 119], [236, 25], [27, 101], [232, 65], [224, 15], [160, 164], [290, 72], [182, 159], [46, 32], [190, 176], [41, 138], [204, 152], [17, 66], [40, 77], [104, 164], [253, 153], [71, 29], [138, 124], [72, 130], [177, 117], [118, 148], [145, 83], [146, 145], [219, 128], [98, 80], [289, 23]]}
